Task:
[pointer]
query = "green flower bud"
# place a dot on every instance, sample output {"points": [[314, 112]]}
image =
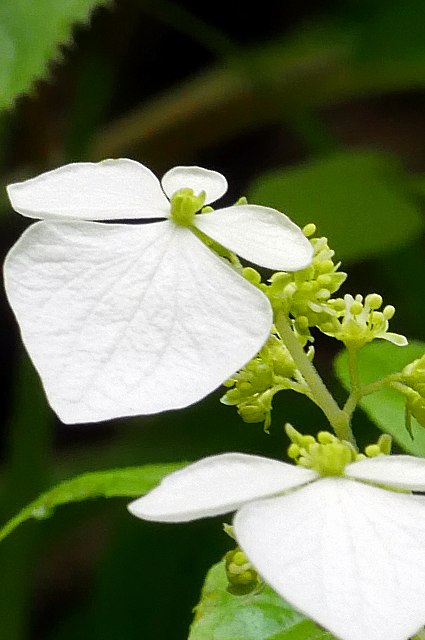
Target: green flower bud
{"points": [[241, 575], [373, 450], [252, 413]]}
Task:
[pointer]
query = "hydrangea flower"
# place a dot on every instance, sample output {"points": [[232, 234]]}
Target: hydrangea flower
{"points": [[126, 319], [340, 548]]}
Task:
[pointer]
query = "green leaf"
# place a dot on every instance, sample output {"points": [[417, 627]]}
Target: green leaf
{"points": [[130, 482], [386, 407], [360, 201], [30, 35], [260, 615]]}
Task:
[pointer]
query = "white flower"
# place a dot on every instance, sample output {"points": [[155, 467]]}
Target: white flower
{"points": [[126, 319], [348, 554]]}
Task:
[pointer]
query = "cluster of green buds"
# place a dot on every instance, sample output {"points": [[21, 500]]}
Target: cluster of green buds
{"points": [[411, 383], [252, 388], [241, 575], [356, 321], [304, 295], [327, 454]]}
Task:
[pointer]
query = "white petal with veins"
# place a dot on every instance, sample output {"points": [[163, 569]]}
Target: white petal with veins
{"points": [[404, 472], [123, 320], [197, 179], [258, 234], [348, 555], [108, 190], [217, 484]]}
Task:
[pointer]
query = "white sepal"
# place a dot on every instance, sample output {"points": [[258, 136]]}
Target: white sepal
{"points": [[124, 320], [259, 234], [108, 190], [403, 472], [216, 485], [348, 555], [395, 338], [196, 178]]}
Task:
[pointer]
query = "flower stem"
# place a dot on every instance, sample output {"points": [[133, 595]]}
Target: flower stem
{"points": [[338, 419], [364, 390]]}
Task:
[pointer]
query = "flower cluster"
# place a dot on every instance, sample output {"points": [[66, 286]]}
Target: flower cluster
{"points": [[303, 295], [329, 539], [122, 319], [355, 321], [327, 454], [252, 388], [126, 319]]}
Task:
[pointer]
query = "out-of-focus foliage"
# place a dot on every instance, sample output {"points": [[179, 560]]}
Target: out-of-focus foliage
{"points": [[30, 36], [386, 407], [259, 615], [360, 201]]}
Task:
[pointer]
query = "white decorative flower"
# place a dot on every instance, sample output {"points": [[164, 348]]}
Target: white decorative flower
{"points": [[348, 554], [126, 319]]}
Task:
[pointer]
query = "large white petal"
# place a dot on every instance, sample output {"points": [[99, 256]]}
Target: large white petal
{"points": [[404, 472], [130, 319], [197, 179], [217, 484], [258, 234], [108, 190], [348, 555]]}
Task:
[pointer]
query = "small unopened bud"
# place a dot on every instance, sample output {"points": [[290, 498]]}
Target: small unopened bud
{"points": [[373, 450], [309, 230]]}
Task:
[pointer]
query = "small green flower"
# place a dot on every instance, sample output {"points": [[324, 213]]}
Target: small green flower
{"points": [[356, 321], [327, 454]]}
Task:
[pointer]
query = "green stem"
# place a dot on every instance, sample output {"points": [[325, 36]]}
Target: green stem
{"points": [[338, 419], [356, 392], [420, 635], [364, 390], [353, 370]]}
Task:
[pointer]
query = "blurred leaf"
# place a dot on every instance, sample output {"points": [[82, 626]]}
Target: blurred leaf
{"points": [[327, 61], [260, 615], [386, 407], [394, 31], [30, 35], [127, 483], [360, 201]]}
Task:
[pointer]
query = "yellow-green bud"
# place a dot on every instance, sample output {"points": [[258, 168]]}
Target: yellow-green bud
{"points": [[293, 450], [373, 450], [309, 230], [251, 275]]}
